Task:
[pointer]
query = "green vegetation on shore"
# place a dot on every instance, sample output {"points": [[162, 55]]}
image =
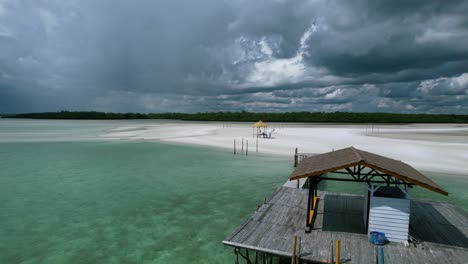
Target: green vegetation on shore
{"points": [[339, 117], [91, 115]]}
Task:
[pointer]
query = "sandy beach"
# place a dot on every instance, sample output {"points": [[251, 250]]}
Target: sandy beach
{"points": [[428, 147]]}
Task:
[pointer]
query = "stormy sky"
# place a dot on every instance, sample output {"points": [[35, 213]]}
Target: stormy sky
{"points": [[232, 55]]}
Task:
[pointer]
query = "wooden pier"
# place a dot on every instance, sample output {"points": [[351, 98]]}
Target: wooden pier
{"points": [[438, 231], [300, 156]]}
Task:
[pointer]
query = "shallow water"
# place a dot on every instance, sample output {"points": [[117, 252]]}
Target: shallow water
{"points": [[126, 202], [133, 202]]}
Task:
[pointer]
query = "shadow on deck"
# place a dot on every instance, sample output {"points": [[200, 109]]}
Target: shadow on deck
{"points": [[343, 214], [439, 223]]}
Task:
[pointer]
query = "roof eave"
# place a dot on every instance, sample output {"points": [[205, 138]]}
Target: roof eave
{"points": [[396, 175]]}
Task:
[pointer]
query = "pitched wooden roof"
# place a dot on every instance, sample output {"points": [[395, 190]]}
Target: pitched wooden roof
{"points": [[349, 157], [260, 124]]}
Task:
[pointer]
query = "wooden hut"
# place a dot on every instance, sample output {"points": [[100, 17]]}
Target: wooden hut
{"points": [[388, 183], [257, 128]]}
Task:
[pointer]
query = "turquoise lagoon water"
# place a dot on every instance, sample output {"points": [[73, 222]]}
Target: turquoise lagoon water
{"points": [[133, 202], [113, 202]]}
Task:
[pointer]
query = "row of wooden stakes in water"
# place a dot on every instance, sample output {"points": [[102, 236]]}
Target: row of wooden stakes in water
{"points": [[246, 147]]}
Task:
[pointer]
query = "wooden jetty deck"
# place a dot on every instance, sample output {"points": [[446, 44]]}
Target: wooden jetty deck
{"points": [[295, 184], [439, 229]]}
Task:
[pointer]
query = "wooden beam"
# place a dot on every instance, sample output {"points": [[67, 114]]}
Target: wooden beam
{"points": [[370, 174], [318, 173], [376, 168], [351, 172], [351, 180]]}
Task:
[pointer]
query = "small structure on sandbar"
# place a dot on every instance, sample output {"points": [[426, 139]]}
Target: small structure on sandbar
{"points": [[260, 129], [419, 231]]}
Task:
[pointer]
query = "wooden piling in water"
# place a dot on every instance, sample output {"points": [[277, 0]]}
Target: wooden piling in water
{"points": [[234, 146], [295, 158], [256, 146], [247, 148], [242, 148]]}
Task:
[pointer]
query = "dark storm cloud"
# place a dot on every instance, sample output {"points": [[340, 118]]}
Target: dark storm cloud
{"points": [[394, 35], [211, 55]]}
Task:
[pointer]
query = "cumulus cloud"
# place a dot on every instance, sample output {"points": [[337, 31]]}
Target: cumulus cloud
{"points": [[210, 55], [268, 70]]}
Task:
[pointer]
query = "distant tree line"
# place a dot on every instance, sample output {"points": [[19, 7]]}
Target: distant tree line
{"points": [[78, 115], [319, 117]]}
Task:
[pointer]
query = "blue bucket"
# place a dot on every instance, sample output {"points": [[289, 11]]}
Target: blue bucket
{"points": [[377, 238]]}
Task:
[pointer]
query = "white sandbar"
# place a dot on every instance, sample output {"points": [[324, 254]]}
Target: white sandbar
{"points": [[428, 147]]}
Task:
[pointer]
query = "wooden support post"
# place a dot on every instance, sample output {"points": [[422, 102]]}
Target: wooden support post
{"points": [[309, 201], [376, 255], [234, 146], [337, 250], [316, 191], [256, 146], [295, 158], [298, 250], [293, 257], [247, 148], [242, 145], [368, 211]]}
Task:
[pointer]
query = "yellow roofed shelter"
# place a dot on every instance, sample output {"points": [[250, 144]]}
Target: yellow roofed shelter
{"points": [[260, 128]]}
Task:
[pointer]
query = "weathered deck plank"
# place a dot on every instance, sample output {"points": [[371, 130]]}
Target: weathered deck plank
{"points": [[442, 229]]}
